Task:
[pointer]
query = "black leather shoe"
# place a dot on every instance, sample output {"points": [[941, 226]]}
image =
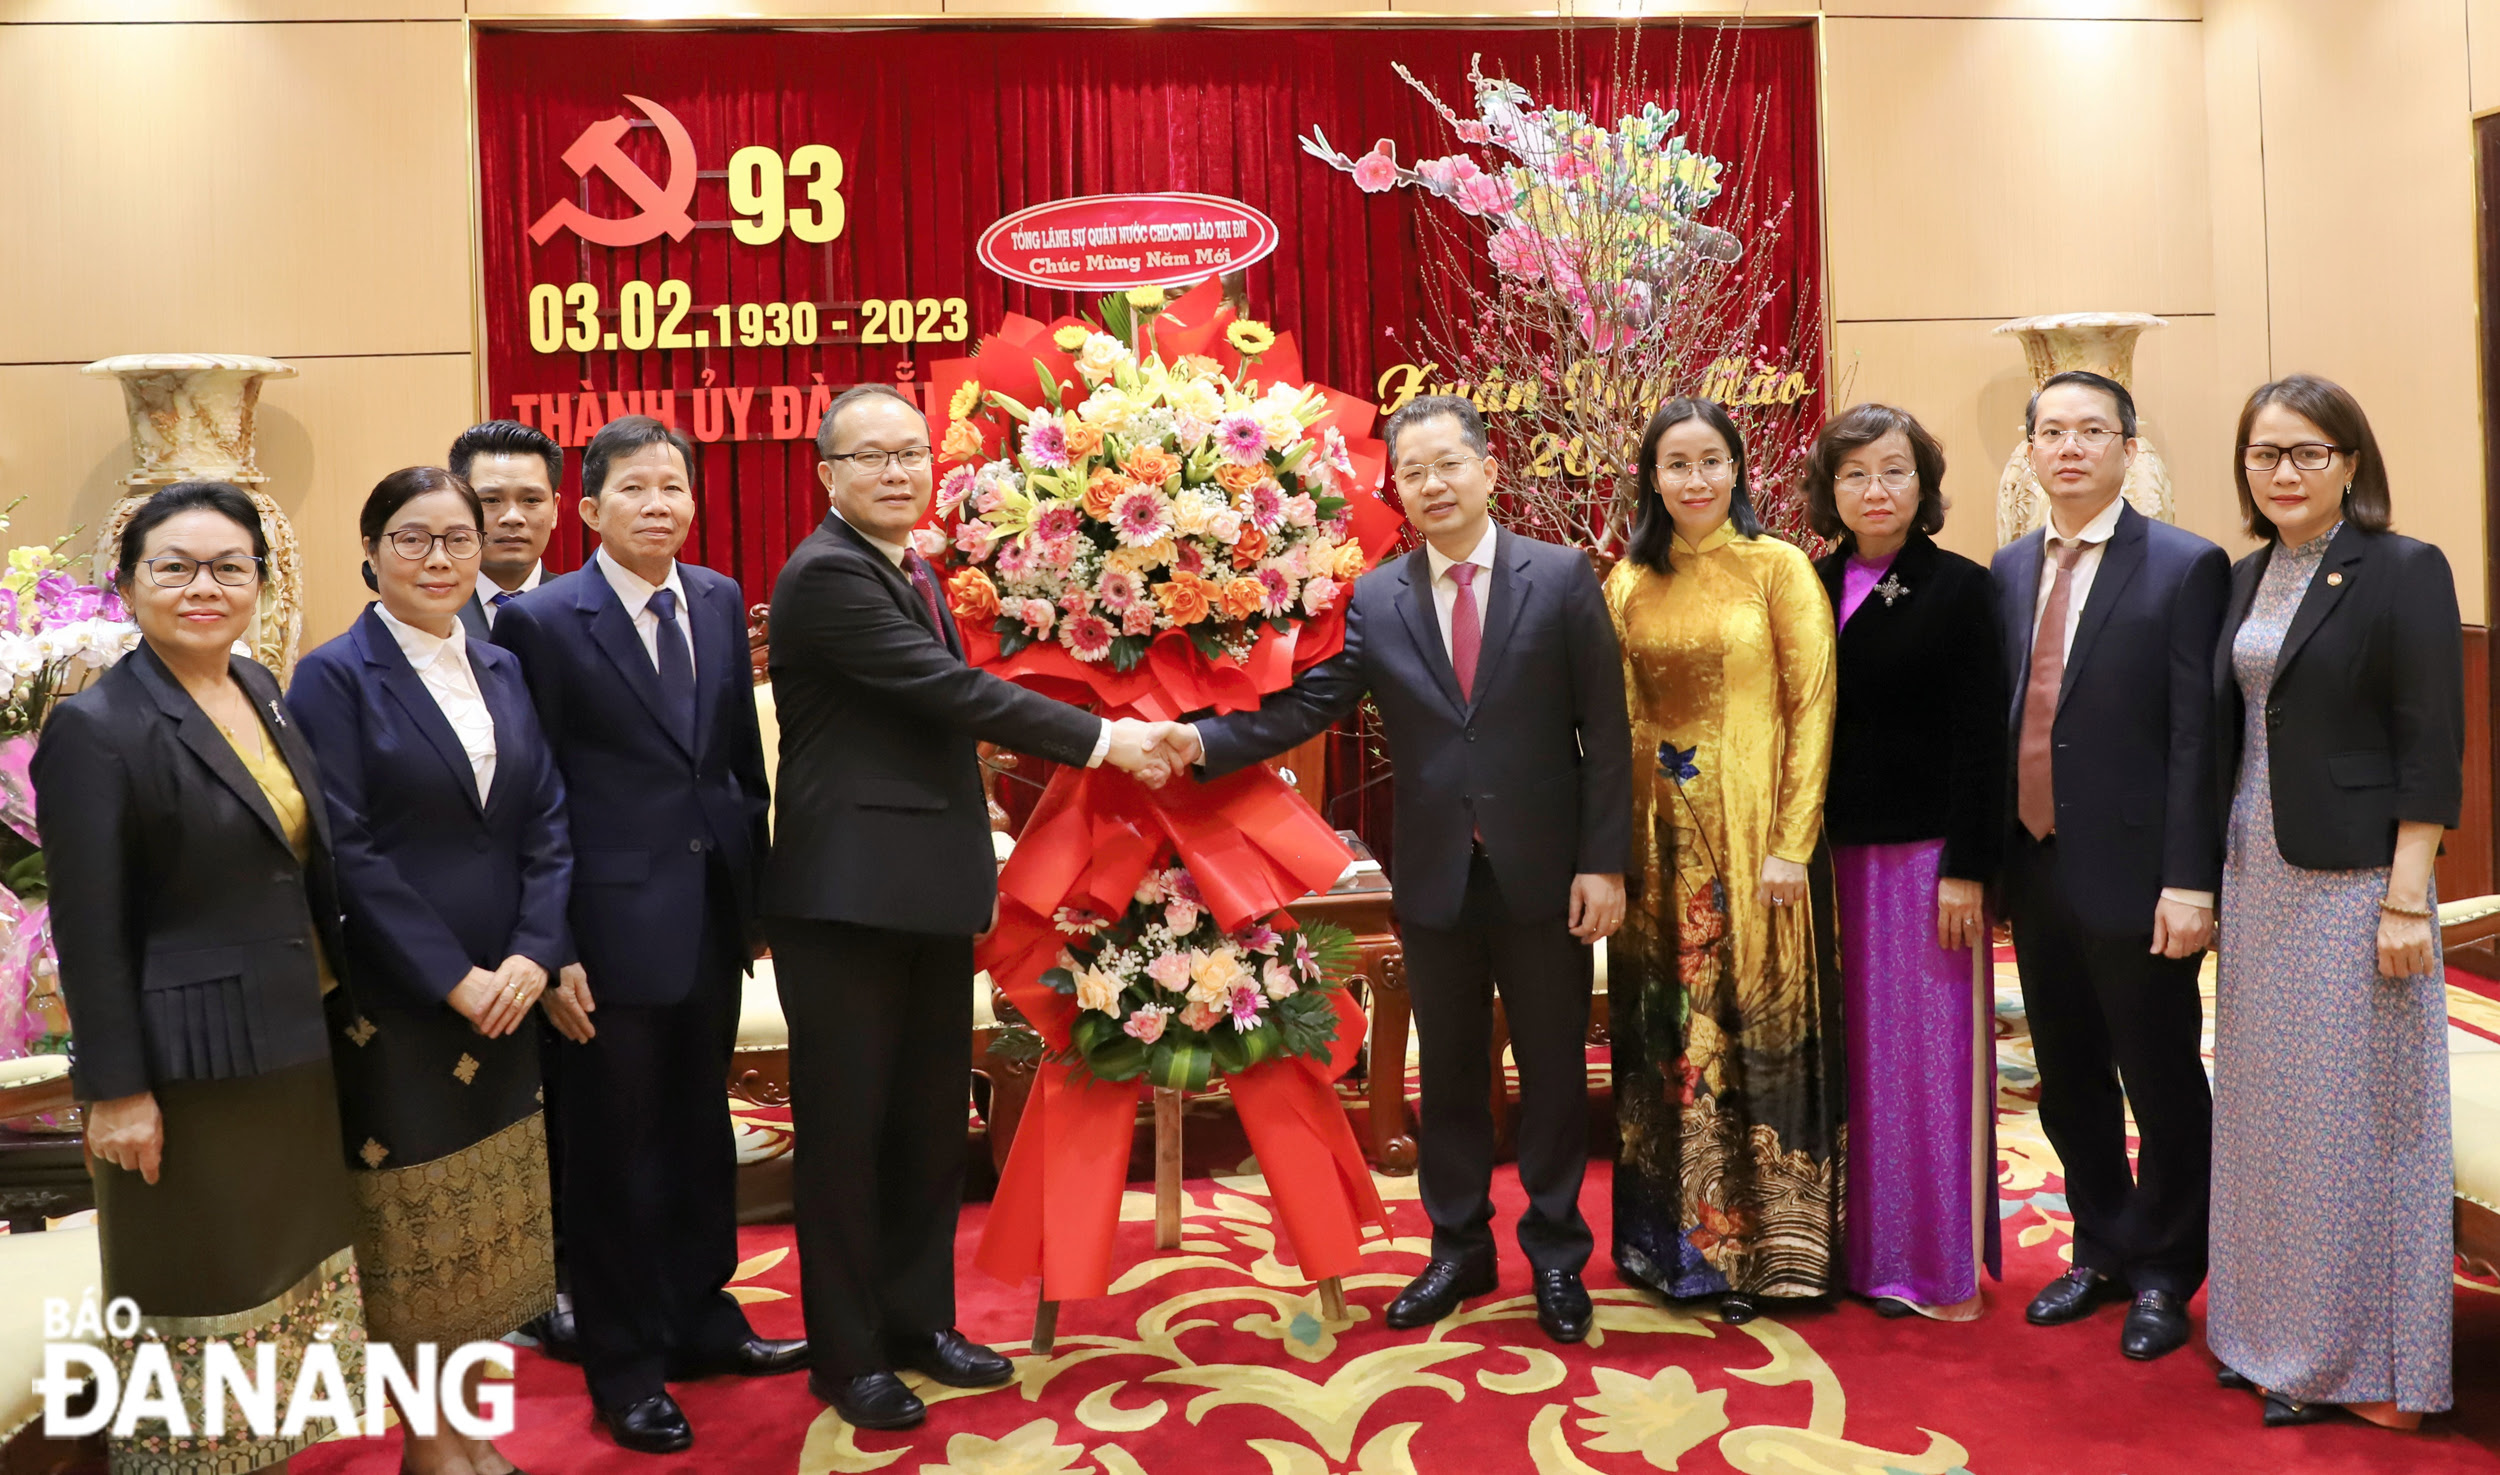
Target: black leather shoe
{"points": [[556, 1334], [1562, 1305], [1736, 1308], [2231, 1377], [2156, 1326], [1893, 1308], [1437, 1292], [872, 1401], [649, 1426], [955, 1360], [2283, 1413], [756, 1357], [2071, 1297]]}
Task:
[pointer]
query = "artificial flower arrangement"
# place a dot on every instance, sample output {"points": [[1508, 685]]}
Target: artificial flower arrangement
{"points": [[1163, 991], [1146, 497]]}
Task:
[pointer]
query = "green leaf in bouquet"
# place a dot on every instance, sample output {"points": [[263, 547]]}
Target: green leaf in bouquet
{"points": [[1328, 506], [1011, 404], [1094, 1031], [1116, 318], [1123, 1059], [1128, 650], [1334, 949], [1059, 980], [1232, 1056], [1017, 1044], [1263, 1043], [1050, 383], [27, 879], [1013, 636], [1181, 1064], [1305, 1023]]}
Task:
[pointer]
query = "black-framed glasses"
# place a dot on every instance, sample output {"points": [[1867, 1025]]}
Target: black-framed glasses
{"points": [[416, 544], [2090, 437], [910, 458], [2309, 455], [1412, 478], [181, 571]]}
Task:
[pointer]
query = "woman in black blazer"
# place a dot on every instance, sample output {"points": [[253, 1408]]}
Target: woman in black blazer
{"points": [[2340, 716], [197, 922], [1915, 812]]}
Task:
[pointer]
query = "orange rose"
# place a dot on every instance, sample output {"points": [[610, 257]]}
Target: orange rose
{"points": [[1083, 440], [1102, 491], [972, 595], [962, 443], [1244, 598], [1236, 478], [1152, 465], [1250, 547], [1351, 561], [1184, 599]]}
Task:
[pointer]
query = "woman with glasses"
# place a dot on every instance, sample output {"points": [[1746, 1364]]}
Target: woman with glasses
{"points": [[195, 914], [454, 869], [2340, 716], [1724, 1015], [1915, 815]]}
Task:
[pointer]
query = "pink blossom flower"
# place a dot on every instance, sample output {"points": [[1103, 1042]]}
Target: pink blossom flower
{"points": [[1141, 516], [1015, 558], [1077, 921], [1340, 528], [1449, 172], [1138, 619], [1149, 889], [1303, 962], [1076, 601], [1278, 980], [1247, 1002], [1318, 595], [1300, 510], [1486, 194], [1240, 436], [1571, 165], [928, 542], [987, 499], [1057, 522], [1045, 443], [1087, 637], [1377, 170], [1188, 558], [1178, 882], [1059, 553], [1040, 615], [1200, 1016], [1117, 588], [1146, 1025], [1180, 914], [1279, 590], [1170, 971], [1518, 251], [975, 539], [952, 490], [1263, 506], [1472, 131], [1260, 939]]}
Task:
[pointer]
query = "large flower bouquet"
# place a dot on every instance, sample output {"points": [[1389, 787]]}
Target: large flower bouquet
{"points": [[1164, 991]]}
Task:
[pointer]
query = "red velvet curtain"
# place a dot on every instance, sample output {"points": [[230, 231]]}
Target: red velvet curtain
{"points": [[942, 131]]}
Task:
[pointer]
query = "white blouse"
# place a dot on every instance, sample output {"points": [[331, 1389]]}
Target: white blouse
{"points": [[443, 665]]}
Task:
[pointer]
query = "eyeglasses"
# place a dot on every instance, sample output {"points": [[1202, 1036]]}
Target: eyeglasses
{"points": [[416, 544], [911, 458], [1448, 468], [2309, 455], [1708, 468], [1855, 482], [2091, 438], [178, 571]]}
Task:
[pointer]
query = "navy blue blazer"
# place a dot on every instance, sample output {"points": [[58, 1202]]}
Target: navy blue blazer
{"points": [[2135, 748], [1538, 760], [650, 816], [433, 882]]}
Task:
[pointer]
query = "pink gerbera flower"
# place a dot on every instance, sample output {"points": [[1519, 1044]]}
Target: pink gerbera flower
{"points": [[1259, 939], [1056, 523], [1015, 558], [1087, 636], [1263, 506], [1279, 590], [1118, 589], [1246, 1004], [1141, 516], [1240, 436], [1045, 443], [952, 490]]}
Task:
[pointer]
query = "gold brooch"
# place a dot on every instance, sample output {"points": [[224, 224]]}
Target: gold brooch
{"points": [[2334, 579], [465, 1068]]}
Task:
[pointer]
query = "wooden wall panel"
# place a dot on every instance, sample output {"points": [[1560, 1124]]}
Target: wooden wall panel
{"points": [[278, 189], [2466, 863], [161, 12]]}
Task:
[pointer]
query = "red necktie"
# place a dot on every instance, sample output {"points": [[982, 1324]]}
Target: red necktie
{"points": [[2035, 788], [918, 568], [1466, 629]]}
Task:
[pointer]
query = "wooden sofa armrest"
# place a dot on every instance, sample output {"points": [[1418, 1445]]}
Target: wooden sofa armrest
{"points": [[34, 1098]]}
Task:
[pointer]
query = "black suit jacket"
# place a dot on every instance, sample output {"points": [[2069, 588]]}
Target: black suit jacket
{"points": [[650, 816], [881, 819], [473, 619], [2365, 723], [184, 923], [1538, 762], [2134, 742], [1918, 745]]}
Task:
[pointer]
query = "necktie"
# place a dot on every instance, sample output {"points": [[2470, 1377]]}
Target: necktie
{"points": [[1466, 628], [918, 568], [502, 598], [676, 667], [2035, 789]]}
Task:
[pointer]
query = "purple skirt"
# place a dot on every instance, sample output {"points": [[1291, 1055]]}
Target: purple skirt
{"points": [[1922, 1204]]}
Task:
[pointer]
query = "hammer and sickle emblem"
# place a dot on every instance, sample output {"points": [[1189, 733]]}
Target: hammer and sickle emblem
{"points": [[663, 208]]}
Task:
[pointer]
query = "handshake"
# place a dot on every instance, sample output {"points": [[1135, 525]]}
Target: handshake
{"points": [[1152, 752]]}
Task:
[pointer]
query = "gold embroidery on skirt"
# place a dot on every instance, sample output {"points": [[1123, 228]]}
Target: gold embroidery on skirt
{"points": [[325, 1299], [459, 1249]]}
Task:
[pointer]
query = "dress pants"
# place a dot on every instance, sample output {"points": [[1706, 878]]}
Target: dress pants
{"points": [[1543, 973], [880, 1082], [647, 1165], [2114, 1025]]}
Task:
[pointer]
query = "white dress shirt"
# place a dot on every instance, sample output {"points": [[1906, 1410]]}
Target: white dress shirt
{"points": [[442, 663], [487, 589], [1445, 588], [2094, 537], [895, 552], [635, 595]]}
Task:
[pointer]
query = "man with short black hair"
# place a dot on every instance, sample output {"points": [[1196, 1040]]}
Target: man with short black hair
{"points": [[638, 665], [515, 470]]}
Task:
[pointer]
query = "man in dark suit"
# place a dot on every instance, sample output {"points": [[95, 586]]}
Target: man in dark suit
{"points": [[881, 875], [515, 470], [638, 666], [2109, 621], [1500, 685]]}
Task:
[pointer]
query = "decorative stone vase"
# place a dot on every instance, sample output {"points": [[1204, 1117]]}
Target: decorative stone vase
{"points": [[2103, 342], [191, 420]]}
